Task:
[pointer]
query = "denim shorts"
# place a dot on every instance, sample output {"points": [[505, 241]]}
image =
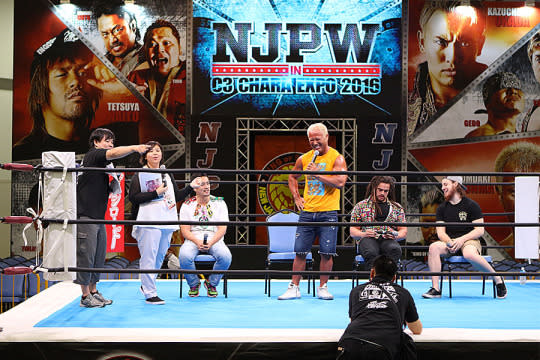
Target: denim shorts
{"points": [[305, 235]]}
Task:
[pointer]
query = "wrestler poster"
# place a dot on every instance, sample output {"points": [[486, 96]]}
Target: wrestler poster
{"points": [[472, 100], [91, 64], [453, 50], [112, 45]]}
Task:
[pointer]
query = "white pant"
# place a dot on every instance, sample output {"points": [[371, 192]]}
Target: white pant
{"points": [[153, 245]]}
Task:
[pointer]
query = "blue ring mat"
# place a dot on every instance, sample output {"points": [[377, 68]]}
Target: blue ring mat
{"points": [[248, 307]]}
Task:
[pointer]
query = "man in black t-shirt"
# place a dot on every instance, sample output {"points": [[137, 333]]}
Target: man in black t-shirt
{"points": [[374, 318], [92, 197], [460, 240]]}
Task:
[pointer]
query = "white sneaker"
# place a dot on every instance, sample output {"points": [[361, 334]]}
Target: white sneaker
{"points": [[293, 292], [323, 294]]}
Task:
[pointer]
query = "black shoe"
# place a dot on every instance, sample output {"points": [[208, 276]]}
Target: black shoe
{"points": [[432, 293], [501, 290], [155, 300]]}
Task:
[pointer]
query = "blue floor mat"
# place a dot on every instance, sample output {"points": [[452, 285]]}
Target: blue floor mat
{"points": [[248, 307]]}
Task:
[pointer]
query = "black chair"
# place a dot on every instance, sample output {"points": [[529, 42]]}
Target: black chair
{"points": [[208, 261], [360, 261]]}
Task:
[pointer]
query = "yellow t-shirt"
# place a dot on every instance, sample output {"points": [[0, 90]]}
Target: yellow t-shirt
{"points": [[317, 195]]}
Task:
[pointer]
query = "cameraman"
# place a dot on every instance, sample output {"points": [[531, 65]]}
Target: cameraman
{"points": [[379, 206]]}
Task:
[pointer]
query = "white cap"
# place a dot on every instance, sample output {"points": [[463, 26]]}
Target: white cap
{"points": [[458, 179]]}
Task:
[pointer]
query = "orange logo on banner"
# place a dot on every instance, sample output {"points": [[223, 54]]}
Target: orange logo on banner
{"points": [[115, 211]]}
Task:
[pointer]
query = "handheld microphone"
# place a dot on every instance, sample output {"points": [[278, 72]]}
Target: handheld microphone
{"points": [[163, 175], [205, 240], [315, 154]]}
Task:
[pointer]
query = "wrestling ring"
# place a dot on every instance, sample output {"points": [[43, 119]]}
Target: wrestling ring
{"points": [[245, 321]]}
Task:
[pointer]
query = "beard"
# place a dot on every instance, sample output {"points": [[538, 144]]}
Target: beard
{"points": [[449, 194]]}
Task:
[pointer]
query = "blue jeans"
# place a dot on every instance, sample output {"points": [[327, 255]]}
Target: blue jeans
{"points": [[188, 252], [305, 235]]}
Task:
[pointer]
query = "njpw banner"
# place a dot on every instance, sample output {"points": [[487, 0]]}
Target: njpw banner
{"points": [[473, 90], [299, 59], [296, 58]]}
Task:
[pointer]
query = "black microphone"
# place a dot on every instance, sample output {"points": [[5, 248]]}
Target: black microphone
{"points": [[163, 175], [205, 241], [315, 154]]}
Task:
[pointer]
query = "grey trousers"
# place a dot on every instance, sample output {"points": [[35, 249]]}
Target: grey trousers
{"points": [[91, 251]]}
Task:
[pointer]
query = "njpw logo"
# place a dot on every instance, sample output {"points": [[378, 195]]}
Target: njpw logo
{"points": [[244, 67], [276, 197]]}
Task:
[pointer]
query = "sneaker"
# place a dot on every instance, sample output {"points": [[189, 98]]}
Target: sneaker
{"points": [[293, 292], [194, 290], [501, 290], [89, 302], [432, 293], [100, 297], [155, 300], [323, 293], [210, 290]]}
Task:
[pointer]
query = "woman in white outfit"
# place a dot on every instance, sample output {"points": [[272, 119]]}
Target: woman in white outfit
{"points": [[153, 197]]}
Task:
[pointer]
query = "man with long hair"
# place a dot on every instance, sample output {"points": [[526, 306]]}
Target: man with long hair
{"points": [[459, 240], [380, 205], [62, 103]]}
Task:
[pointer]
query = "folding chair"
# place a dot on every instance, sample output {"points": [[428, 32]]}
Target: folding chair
{"points": [[281, 246], [208, 261], [359, 260], [456, 259]]}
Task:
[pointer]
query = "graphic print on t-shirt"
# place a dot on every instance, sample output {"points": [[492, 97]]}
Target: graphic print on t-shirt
{"points": [[378, 297], [315, 186]]}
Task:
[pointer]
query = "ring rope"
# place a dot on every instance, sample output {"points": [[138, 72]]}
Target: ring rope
{"points": [[300, 223], [27, 219], [289, 272], [26, 167]]}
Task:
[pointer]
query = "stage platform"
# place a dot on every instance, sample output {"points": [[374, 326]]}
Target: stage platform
{"points": [[250, 325]]}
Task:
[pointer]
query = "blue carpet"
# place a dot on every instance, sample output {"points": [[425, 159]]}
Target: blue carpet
{"points": [[248, 307]]}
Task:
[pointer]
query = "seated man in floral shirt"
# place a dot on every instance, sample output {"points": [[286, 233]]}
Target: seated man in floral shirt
{"points": [[379, 206]]}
